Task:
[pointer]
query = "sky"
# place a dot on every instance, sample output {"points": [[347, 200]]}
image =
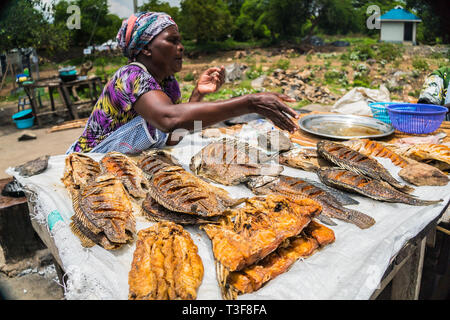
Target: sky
{"points": [[124, 8]]}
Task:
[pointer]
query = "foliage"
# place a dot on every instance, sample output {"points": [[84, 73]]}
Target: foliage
{"points": [[159, 6], [32, 29], [389, 51], [420, 64], [205, 20], [282, 64], [96, 24]]}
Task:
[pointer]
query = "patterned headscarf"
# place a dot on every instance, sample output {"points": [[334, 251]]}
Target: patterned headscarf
{"points": [[140, 29]]}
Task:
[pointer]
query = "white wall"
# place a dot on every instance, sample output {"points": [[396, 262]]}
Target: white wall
{"points": [[392, 31]]}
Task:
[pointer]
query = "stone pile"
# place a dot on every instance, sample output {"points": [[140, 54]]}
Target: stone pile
{"points": [[295, 84]]}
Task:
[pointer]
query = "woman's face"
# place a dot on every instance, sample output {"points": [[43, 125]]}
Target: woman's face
{"points": [[167, 51]]}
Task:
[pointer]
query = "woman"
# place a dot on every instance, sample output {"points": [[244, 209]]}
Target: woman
{"points": [[140, 106]]}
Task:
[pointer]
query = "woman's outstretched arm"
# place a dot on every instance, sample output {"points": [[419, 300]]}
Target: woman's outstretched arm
{"points": [[156, 107]]}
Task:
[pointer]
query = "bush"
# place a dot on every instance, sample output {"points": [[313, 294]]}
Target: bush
{"points": [[420, 64], [361, 52], [283, 64], [336, 77], [254, 72], [389, 51], [188, 77]]}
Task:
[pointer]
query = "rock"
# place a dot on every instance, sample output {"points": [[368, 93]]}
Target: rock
{"points": [[33, 167], [27, 135], [239, 54], [422, 174], [258, 82], [234, 72], [305, 75]]}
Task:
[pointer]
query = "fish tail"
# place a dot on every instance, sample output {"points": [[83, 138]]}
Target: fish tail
{"points": [[359, 219]]}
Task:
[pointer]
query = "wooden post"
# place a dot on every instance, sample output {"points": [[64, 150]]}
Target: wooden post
{"points": [[406, 283]]}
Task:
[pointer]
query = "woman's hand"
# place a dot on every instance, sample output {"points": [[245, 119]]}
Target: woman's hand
{"points": [[211, 80], [272, 106]]}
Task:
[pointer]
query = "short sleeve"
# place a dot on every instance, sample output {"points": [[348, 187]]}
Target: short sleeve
{"points": [[130, 84]]}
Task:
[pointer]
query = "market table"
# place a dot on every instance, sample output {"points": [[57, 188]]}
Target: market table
{"points": [[64, 89], [358, 265]]}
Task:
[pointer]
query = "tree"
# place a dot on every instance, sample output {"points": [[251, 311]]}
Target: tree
{"points": [[96, 24], [435, 25], [33, 29], [285, 18], [159, 6], [205, 20], [338, 17]]}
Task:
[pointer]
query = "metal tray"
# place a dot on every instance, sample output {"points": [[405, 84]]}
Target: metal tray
{"points": [[340, 126]]}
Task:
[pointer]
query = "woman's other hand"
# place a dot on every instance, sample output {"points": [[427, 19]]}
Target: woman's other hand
{"points": [[272, 106], [211, 80]]}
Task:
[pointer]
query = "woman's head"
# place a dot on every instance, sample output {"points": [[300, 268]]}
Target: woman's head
{"points": [[140, 29]]}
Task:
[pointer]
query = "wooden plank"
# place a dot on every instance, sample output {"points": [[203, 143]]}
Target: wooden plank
{"points": [[79, 123]]}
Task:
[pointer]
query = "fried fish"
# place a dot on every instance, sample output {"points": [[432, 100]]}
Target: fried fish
{"points": [[250, 233], [127, 171], [357, 162], [297, 188], [179, 190], [372, 188], [230, 162], [166, 265], [103, 214], [314, 237], [79, 170]]}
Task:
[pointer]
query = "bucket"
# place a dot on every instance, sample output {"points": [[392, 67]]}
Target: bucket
{"points": [[23, 119]]}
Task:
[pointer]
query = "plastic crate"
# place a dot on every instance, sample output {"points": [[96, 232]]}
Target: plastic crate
{"points": [[379, 110], [416, 118]]}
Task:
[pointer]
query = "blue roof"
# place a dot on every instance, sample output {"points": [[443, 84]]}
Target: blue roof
{"points": [[399, 14]]}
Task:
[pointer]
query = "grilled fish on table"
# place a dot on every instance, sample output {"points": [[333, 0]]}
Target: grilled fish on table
{"points": [[230, 162], [357, 162], [79, 170], [250, 233], [417, 173], [180, 191], [127, 171], [372, 188], [166, 265], [372, 148], [297, 188], [314, 237], [103, 214], [437, 155], [153, 211]]}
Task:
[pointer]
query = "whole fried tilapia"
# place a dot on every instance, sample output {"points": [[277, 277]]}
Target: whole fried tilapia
{"points": [[166, 265], [156, 212], [372, 188], [179, 190], [357, 162], [372, 148], [258, 229], [301, 158], [313, 237], [438, 155], [297, 188], [79, 171], [103, 214], [127, 171], [230, 162]]}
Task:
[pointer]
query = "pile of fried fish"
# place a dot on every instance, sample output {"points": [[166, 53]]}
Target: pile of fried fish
{"points": [[253, 239]]}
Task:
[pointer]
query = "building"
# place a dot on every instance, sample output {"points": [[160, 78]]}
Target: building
{"points": [[399, 26]]}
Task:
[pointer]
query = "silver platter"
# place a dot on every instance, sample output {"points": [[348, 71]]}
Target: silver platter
{"points": [[340, 126]]}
